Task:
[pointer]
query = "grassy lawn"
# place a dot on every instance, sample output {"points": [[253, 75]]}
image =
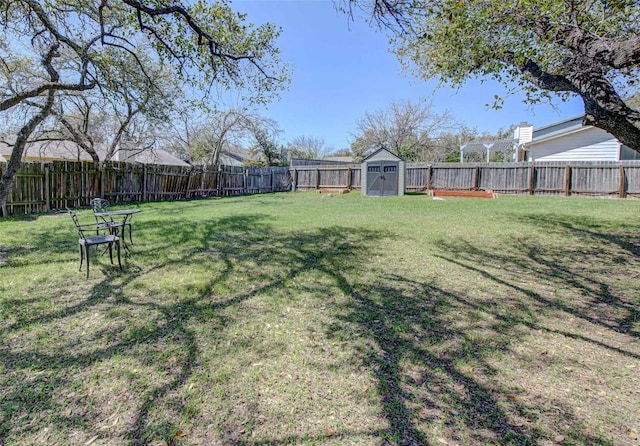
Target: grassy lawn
{"points": [[316, 320]]}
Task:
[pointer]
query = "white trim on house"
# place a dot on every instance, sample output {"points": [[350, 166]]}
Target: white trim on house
{"points": [[570, 140]]}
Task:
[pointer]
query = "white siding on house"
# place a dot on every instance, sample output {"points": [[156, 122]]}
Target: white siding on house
{"points": [[589, 144]]}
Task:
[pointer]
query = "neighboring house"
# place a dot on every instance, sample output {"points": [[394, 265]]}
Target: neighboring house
{"points": [[570, 140], [44, 151], [237, 156], [329, 161], [340, 159]]}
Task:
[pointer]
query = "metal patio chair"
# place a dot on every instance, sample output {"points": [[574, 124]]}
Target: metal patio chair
{"points": [[86, 242]]}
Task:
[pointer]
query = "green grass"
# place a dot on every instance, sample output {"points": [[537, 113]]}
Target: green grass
{"points": [[342, 320]]}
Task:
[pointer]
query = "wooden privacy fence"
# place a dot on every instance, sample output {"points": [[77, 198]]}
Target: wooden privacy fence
{"points": [[55, 185], [317, 177], [613, 178], [59, 184]]}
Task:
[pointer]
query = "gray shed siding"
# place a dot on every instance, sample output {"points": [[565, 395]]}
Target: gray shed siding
{"points": [[384, 155]]}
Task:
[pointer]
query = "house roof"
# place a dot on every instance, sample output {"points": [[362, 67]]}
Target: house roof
{"points": [[156, 156], [236, 156], [566, 124], [559, 129], [67, 150]]}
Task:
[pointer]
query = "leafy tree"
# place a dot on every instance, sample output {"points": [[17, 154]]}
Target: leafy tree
{"points": [[58, 48], [128, 111], [404, 128], [341, 152], [634, 101], [202, 140], [564, 48], [265, 143]]}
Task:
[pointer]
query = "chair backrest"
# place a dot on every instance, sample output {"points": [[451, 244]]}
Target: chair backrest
{"points": [[99, 204], [76, 223]]}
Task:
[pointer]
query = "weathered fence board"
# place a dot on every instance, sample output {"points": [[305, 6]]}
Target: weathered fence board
{"points": [[618, 179], [69, 183], [631, 179], [60, 184], [27, 195], [56, 185]]}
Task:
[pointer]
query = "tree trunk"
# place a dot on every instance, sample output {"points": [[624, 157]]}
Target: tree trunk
{"points": [[603, 107], [6, 182]]}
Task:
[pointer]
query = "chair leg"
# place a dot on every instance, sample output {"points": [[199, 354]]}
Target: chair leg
{"points": [[118, 249], [86, 251], [81, 256], [111, 253], [130, 236]]}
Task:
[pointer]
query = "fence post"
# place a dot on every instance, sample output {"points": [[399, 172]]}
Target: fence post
{"points": [[186, 192], [532, 178], [623, 183], [144, 182], [47, 187], [429, 177], [317, 178], [102, 172], [476, 177], [349, 178], [245, 180], [567, 181]]}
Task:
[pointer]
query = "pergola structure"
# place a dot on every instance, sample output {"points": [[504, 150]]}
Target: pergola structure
{"points": [[506, 146]]}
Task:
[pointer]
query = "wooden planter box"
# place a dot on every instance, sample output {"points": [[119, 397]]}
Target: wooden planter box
{"points": [[463, 193]]}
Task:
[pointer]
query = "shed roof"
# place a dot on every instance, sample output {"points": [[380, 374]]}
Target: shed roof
{"points": [[382, 151]]}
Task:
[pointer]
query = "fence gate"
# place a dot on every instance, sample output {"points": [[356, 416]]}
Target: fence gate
{"points": [[382, 178]]}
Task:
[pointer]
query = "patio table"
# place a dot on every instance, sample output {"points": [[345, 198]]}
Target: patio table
{"points": [[126, 215]]}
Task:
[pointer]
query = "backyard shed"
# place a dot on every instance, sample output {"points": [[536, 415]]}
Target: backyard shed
{"points": [[383, 174]]}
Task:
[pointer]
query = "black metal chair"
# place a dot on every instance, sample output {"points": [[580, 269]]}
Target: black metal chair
{"points": [[108, 223], [86, 242]]}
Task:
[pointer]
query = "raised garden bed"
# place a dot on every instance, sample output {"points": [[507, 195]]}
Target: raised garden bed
{"points": [[333, 191], [463, 193]]}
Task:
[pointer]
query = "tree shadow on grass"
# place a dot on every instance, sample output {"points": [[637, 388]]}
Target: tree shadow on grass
{"points": [[433, 377], [236, 243], [592, 268], [432, 372]]}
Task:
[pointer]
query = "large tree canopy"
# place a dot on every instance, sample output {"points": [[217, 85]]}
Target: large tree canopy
{"points": [[57, 49], [567, 47]]}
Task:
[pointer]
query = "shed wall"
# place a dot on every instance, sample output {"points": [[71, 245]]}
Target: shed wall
{"points": [[383, 155]]}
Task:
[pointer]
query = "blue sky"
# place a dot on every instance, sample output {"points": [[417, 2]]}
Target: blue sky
{"points": [[342, 69]]}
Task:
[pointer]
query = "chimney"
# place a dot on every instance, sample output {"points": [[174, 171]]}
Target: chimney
{"points": [[523, 133]]}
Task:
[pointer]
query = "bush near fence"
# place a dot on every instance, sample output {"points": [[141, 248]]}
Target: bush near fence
{"points": [[55, 185]]}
